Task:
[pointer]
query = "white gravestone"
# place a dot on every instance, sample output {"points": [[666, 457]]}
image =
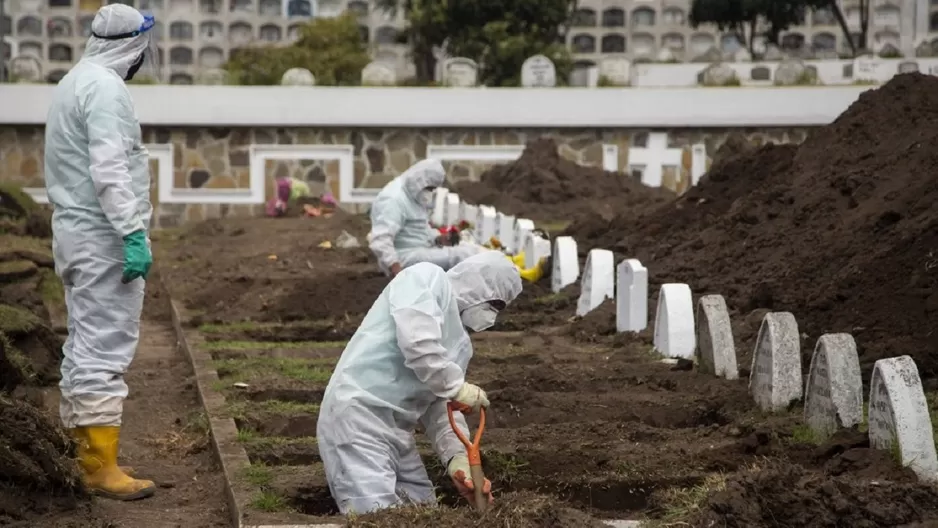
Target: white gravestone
{"points": [[535, 248], [468, 213], [653, 157], [460, 72], [485, 224], [899, 413], [506, 231], [438, 215], [833, 396], [674, 322], [775, 377], [523, 228], [566, 264], [298, 77], [631, 296], [716, 352], [538, 72], [452, 210], [598, 282], [378, 73]]}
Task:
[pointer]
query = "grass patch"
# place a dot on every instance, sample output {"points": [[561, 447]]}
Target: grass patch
{"points": [[50, 287], [502, 467], [256, 325], [678, 504], [255, 440], [15, 320], [240, 409], [803, 434], [271, 345], [268, 501], [16, 243], [257, 475], [245, 370]]}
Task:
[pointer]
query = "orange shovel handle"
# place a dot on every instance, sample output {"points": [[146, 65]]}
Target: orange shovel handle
{"points": [[473, 453]]}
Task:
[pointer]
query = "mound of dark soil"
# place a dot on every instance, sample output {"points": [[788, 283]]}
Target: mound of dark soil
{"points": [[842, 230], [21, 215], [38, 472], [512, 510], [784, 495], [541, 177]]}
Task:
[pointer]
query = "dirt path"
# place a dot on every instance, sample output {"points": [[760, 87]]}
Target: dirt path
{"points": [[164, 438]]}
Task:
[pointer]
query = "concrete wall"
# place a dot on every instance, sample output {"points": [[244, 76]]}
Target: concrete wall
{"points": [[200, 172], [220, 106]]}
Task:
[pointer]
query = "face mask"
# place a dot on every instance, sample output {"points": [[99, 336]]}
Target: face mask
{"points": [[425, 198], [134, 68], [479, 318]]}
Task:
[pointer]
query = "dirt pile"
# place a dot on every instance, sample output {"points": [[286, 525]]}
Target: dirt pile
{"points": [[38, 472], [841, 230], [512, 510], [542, 177], [785, 495]]}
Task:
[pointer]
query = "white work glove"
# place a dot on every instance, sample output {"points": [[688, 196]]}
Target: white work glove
{"points": [[471, 397], [458, 470]]}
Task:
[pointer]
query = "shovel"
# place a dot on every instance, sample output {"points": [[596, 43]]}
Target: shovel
{"points": [[473, 453]]}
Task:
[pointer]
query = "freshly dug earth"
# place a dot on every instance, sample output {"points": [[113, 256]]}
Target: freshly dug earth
{"points": [[271, 269], [38, 472], [513, 510], [842, 230], [545, 187]]}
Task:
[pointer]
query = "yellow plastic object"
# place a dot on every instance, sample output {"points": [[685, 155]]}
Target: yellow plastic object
{"points": [[97, 456], [326, 245]]}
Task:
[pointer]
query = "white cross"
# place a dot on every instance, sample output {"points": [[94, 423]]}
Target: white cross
{"points": [[653, 157]]}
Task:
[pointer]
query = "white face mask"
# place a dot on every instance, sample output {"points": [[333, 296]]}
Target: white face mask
{"points": [[425, 198], [479, 318]]}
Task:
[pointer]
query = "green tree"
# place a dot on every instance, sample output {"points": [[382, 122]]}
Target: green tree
{"points": [[498, 34], [331, 48], [504, 33], [747, 19]]}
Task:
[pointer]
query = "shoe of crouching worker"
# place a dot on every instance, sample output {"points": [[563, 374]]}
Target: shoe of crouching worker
{"points": [[97, 456], [536, 273]]}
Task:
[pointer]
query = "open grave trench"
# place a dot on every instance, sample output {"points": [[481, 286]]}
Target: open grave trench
{"points": [[606, 427]]}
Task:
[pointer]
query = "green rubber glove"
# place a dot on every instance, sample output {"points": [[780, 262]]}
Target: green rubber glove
{"points": [[137, 257]]}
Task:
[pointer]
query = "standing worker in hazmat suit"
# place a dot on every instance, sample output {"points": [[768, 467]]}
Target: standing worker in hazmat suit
{"points": [[98, 180], [401, 235], [404, 364]]}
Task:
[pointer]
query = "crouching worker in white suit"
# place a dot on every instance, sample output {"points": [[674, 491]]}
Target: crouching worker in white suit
{"points": [[405, 362], [401, 235], [98, 179]]}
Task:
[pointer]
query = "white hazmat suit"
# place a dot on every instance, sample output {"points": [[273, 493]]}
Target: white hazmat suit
{"points": [[405, 362], [400, 221], [97, 177]]}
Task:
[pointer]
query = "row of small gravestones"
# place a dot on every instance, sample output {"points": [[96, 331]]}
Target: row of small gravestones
{"points": [[833, 394], [537, 71]]}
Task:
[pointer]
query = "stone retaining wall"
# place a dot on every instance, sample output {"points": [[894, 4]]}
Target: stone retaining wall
{"points": [[219, 158]]}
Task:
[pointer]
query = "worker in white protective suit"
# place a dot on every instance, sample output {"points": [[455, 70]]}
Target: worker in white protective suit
{"points": [[405, 362], [98, 180], [401, 235]]}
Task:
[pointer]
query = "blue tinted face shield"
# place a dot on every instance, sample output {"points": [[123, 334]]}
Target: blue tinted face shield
{"points": [[149, 59]]}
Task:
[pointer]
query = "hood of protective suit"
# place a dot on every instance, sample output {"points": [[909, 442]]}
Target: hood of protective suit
{"points": [[488, 276], [423, 174], [118, 55]]}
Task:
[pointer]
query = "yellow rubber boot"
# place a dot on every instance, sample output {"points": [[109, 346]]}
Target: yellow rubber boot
{"points": [[518, 260], [97, 455], [533, 274]]}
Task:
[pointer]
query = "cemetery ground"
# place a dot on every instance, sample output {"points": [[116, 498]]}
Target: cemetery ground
{"points": [[585, 424]]}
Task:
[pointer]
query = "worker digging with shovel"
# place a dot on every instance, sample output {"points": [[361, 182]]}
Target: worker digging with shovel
{"points": [[406, 364]]}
